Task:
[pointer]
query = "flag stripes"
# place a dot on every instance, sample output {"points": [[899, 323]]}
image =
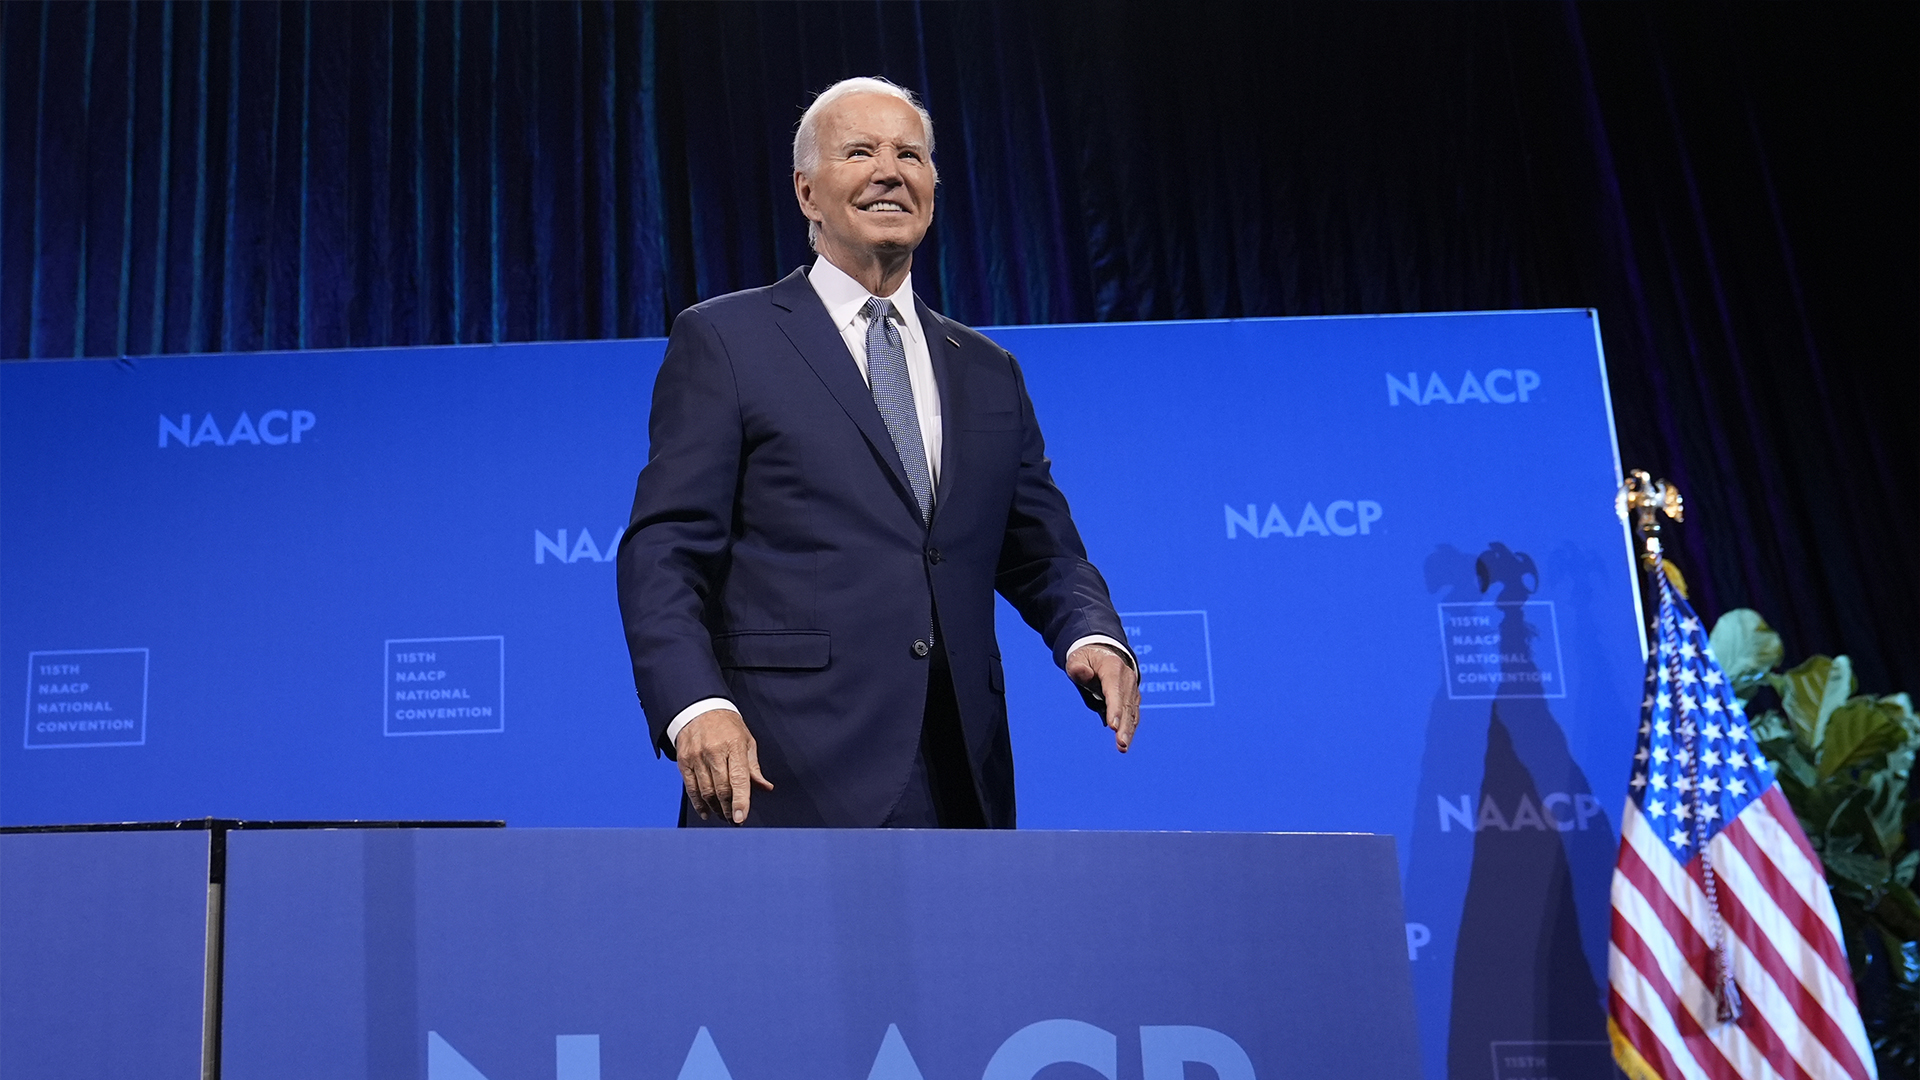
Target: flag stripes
{"points": [[1822, 938], [1648, 902]]}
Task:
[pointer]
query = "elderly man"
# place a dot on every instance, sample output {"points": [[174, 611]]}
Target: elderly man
{"points": [[838, 481]]}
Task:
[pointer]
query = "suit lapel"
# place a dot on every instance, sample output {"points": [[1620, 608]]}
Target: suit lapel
{"points": [[946, 375], [806, 325]]}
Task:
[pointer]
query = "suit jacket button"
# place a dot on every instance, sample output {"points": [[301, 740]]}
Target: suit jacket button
{"points": [[920, 648], [933, 555]]}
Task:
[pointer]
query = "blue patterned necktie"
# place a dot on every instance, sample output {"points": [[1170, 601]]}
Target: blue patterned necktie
{"points": [[893, 395]]}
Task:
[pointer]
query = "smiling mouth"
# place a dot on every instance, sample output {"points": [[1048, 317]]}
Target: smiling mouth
{"points": [[884, 206]]}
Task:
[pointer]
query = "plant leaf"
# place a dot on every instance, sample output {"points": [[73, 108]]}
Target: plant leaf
{"points": [[1792, 766], [1811, 692], [1902, 707], [1899, 911], [1903, 870], [1771, 726], [1886, 808], [1856, 733], [1864, 872], [1746, 648], [1900, 762]]}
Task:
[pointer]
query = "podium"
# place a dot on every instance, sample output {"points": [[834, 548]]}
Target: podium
{"points": [[103, 953], [608, 954]]}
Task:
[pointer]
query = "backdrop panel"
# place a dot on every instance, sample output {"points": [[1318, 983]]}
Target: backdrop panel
{"points": [[1372, 566], [585, 954], [103, 939]]}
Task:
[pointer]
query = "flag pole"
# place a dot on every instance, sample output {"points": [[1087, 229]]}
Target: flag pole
{"points": [[1648, 500]]}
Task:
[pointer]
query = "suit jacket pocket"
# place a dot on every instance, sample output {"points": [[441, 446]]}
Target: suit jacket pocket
{"points": [[796, 650], [992, 420]]}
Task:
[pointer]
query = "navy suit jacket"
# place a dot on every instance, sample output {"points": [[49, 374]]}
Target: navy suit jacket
{"points": [[776, 556]]}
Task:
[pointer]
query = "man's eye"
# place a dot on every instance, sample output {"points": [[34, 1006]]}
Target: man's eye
{"points": [[856, 153]]}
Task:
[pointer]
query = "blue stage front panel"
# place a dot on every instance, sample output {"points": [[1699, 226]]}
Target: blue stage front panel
{"points": [[1371, 565], [103, 939], [605, 954]]}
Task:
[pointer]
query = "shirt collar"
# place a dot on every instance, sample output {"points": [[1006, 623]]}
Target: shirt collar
{"points": [[844, 297]]}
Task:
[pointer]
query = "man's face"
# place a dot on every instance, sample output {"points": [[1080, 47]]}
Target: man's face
{"points": [[872, 191]]}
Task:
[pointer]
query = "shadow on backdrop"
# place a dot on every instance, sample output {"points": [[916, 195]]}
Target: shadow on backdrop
{"points": [[1504, 925]]}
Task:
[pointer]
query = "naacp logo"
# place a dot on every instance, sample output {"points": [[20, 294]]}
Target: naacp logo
{"points": [[276, 427], [1165, 1053], [1344, 517], [1557, 810], [583, 548], [1500, 386]]}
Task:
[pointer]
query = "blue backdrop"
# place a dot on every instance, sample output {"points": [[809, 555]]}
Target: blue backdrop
{"points": [[1372, 566]]}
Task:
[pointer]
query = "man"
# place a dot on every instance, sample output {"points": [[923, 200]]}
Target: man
{"points": [[838, 480]]}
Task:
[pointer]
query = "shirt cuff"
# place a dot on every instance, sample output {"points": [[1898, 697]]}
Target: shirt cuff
{"points": [[686, 715], [1102, 639]]}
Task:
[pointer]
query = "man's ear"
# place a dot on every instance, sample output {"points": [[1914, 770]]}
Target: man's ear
{"points": [[803, 194]]}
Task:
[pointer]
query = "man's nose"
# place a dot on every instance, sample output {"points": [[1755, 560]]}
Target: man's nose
{"points": [[886, 166]]}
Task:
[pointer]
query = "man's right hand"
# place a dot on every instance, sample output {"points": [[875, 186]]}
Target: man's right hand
{"points": [[720, 764]]}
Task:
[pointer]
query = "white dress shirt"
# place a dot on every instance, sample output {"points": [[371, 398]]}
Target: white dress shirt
{"points": [[844, 297]]}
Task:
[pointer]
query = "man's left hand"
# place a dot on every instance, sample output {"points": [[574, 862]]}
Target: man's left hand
{"points": [[1104, 672]]}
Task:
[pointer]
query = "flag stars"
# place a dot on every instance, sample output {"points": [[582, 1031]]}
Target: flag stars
{"points": [[1694, 762]]}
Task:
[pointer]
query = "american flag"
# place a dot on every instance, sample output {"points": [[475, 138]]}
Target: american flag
{"points": [[1726, 958]]}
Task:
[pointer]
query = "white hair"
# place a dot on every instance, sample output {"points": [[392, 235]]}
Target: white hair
{"points": [[806, 138]]}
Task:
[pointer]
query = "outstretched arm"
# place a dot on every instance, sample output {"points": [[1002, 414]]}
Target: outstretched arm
{"points": [[674, 550], [1045, 574]]}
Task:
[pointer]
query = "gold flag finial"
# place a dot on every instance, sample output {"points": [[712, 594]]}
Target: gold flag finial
{"points": [[1646, 499]]}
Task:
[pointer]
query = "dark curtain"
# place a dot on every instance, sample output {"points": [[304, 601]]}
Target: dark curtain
{"points": [[1732, 186]]}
